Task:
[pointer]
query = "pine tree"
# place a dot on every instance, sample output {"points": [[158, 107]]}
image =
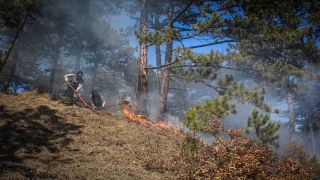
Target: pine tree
{"points": [[11, 16], [260, 129], [106, 50], [277, 45]]}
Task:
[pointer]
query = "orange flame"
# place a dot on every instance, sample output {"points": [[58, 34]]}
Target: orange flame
{"points": [[134, 117], [161, 125], [145, 121]]}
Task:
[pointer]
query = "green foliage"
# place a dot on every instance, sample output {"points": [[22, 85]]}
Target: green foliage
{"points": [[41, 82], [122, 97], [203, 68], [189, 144], [11, 11], [261, 129], [193, 121], [254, 96], [281, 74], [277, 111], [197, 118], [151, 38]]}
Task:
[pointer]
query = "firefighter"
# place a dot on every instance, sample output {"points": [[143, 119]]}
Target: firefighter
{"points": [[75, 81], [96, 99]]}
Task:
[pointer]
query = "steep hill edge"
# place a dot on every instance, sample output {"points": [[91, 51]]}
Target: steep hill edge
{"points": [[43, 137]]}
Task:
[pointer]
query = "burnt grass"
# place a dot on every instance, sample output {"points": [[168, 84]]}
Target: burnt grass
{"points": [[44, 136]]}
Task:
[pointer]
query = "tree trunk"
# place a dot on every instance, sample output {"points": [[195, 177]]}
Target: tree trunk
{"points": [[84, 9], [291, 117], [317, 141], [94, 76], [7, 52], [53, 71], [312, 139], [163, 95], [56, 54], [12, 70], [165, 73], [158, 52], [52, 75], [96, 66], [79, 47], [143, 79]]}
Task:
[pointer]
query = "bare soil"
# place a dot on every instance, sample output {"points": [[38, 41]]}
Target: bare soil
{"points": [[45, 137]]}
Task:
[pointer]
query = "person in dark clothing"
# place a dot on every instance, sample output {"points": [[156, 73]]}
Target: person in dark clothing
{"points": [[96, 99], [75, 80]]}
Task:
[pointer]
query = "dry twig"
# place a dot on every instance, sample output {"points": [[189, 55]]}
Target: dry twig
{"points": [[133, 152]]}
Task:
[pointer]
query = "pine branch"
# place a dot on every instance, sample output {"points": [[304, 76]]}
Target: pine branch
{"points": [[158, 67], [216, 88], [210, 44], [186, 17], [181, 12], [177, 89]]}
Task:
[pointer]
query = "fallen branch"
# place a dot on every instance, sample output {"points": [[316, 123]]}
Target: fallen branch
{"points": [[133, 152], [35, 174]]}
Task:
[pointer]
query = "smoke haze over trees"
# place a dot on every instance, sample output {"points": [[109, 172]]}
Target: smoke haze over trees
{"points": [[183, 62]]}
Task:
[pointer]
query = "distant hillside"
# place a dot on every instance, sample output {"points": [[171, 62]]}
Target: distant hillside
{"points": [[45, 137]]}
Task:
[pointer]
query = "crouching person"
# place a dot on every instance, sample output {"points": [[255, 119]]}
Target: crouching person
{"points": [[97, 100]]}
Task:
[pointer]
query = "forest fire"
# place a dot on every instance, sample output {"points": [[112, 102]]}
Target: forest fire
{"points": [[134, 117], [145, 121], [161, 125]]}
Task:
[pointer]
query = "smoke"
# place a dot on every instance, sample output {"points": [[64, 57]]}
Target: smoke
{"points": [[115, 32]]}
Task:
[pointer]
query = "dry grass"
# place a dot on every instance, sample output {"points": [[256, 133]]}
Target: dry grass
{"points": [[42, 137], [45, 137]]}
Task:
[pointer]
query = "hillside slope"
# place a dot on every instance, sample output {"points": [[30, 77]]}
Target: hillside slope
{"points": [[42, 137]]}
